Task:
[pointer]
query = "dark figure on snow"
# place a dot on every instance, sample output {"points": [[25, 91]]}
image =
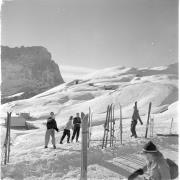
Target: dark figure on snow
{"points": [[135, 117], [156, 166], [76, 123], [51, 126], [67, 128]]}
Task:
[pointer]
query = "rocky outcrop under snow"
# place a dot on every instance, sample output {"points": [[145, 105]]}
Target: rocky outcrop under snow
{"points": [[27, 70]]}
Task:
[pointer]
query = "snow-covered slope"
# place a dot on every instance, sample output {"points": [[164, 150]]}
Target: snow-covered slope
{"points": [[118, 85]]}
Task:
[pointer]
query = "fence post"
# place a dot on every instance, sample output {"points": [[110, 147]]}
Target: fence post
{"points": [[113, 137], [147, 125], [151, 127], [120, 126], [84, 144], [111, 127], [91, 125]]}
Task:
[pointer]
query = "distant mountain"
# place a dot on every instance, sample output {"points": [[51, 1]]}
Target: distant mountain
{"points": [[27, 70]]}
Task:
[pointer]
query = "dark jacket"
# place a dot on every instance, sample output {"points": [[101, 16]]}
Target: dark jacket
{"points": [[77, 121], [136, 116], [51, 124]]}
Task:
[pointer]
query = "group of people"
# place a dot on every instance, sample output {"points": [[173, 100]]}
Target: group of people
{"points": [[73, 123], [158, 167]]}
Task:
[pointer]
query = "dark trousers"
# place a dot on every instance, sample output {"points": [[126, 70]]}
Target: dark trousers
{"points": [[133, 128], [66, 132], [76, 132]]}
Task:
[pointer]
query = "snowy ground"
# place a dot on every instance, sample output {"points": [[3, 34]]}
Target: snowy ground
{"points": [[29, 159]]}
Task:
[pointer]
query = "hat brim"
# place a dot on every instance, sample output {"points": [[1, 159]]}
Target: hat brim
{"points": [[146, 151]]}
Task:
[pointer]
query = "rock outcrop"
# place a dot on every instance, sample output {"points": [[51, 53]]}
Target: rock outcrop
{"points": [[30, 70]]}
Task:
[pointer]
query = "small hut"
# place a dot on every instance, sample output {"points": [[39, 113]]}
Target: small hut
{"points": [[17, 121]]}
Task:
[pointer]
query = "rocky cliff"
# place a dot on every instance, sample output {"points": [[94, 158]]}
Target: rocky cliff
{"points": [[29, 70]]}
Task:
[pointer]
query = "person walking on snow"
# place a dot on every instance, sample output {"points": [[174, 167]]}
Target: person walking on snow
{"points": [[76, 129], [135, 117], [51, 126], [156, 166], [67, 128]]}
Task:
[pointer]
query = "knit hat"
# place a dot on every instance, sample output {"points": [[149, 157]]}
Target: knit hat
{"points": [[149, 148]]}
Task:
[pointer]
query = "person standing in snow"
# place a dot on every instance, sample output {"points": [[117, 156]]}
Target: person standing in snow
{"points": [[156, 167], [76, 129], [67, 128], [135, 117], [51, 126]]}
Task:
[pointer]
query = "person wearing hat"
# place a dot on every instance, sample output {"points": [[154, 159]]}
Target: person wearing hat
{"points": [[51, 126], [135, 117], [156, 166], [67, 128]]}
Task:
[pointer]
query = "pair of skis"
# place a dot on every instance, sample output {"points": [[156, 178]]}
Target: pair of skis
{"points": [[7, 139], [89, 126], [109, 127], [147, 124], [112, 123]]}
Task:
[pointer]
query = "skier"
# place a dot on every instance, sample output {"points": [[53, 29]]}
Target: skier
{"points": [[135, 117], [76, 129], [51, 126], [67, 128], [157, 167]]}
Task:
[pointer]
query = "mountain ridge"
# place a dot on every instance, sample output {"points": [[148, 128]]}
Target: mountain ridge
{"points": [[107, 86], [27, 69]]}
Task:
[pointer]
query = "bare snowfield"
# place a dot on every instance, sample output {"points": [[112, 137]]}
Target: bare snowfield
{"points": [[117, 85]]}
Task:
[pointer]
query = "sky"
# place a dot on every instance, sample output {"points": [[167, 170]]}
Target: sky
{"points": [[95, 33]]}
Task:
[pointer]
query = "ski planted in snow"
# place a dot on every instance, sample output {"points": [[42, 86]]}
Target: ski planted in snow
{"points": [[147, 125], [106, 127]]}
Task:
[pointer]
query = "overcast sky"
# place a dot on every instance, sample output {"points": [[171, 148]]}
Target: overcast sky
{"points": [[95, 33]]}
